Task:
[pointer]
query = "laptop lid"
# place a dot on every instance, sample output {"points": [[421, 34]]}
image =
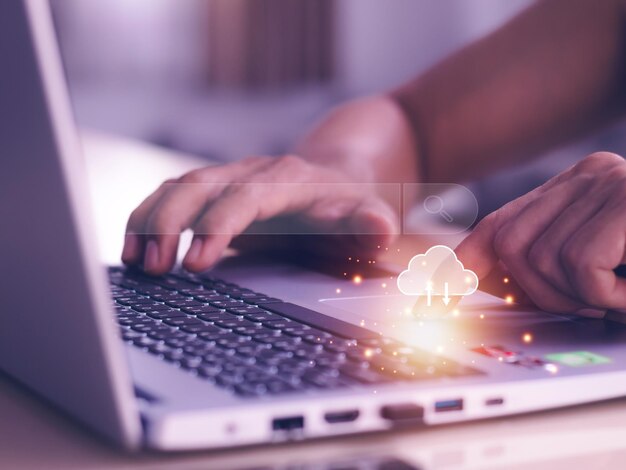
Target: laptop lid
{"points": [[56, 330]]}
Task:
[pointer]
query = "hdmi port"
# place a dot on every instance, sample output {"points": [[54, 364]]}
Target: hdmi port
{"points": [[347, 416]]}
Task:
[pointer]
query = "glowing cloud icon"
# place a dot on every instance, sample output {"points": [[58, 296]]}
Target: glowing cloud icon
{"points": [[438, 272]]}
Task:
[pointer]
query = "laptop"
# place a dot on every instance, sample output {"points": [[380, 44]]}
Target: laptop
{"points": [[254, 351]]}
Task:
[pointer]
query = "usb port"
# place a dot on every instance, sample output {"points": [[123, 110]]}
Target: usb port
{"points": [[346, 416], [442, 406], [291, 423]]}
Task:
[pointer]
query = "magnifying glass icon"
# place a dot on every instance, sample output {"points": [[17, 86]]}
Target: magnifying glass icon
{"points": [[434, 205]]}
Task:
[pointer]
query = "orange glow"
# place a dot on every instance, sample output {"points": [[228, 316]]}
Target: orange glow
{"points": [[505, 280], [369, 353], [509, 299], [357, 279], [527, 338]]}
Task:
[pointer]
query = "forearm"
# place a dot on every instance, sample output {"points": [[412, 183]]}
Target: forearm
{"points": [[370, 140], [550, 75]]}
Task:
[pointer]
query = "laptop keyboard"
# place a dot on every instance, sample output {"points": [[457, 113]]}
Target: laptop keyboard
{"points": [[257, 345]]}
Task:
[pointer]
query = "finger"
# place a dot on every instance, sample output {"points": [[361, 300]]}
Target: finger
{"points": [[375, 224], [514, 241], [230, 215], [591, 255], [511, 245], [476, 251], [545, 253], [181, 205], [134, 243]]}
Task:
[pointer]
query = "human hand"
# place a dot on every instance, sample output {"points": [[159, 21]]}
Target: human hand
{"points": [[219, 203], [561, 242]]}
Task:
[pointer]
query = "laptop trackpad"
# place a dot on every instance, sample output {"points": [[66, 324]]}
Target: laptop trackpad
{"points": [[399, 308]]}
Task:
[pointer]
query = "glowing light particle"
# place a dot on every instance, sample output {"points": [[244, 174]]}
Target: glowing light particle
{"points": [[357, 279], [509, 299], [338, 291], [384, 285], [455, 312], [369, 353], [552, 368], [482, 316], [505, 280], [527, 338]]}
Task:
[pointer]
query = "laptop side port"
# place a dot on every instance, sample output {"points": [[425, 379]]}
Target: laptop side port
{"points": [[345, 416], [496, 401], [288, 424], [442, 406], [403, 413]]}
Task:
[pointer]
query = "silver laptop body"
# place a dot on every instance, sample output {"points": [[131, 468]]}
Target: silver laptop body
{"points": [[58, 336]]}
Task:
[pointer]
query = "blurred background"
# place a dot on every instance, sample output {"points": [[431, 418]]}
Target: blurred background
{"points": [[224, 79]]}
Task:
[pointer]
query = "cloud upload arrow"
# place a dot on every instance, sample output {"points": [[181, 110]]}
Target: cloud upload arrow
{"points": [[446, 298]]}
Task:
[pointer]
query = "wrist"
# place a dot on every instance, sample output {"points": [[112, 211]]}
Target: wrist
{"points": [[370, 140]]}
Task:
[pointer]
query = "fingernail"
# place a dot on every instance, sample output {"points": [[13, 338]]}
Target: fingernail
{"points": [[151, 257], [194, 251], [131, 246]]}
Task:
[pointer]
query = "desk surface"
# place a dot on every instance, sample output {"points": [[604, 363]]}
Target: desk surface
{"points": [[32, 435]]}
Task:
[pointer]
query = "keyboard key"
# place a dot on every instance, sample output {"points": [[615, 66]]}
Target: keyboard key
{"points": [[144, 342], [183, 321], [226, 304], [209, 371], [199, 310], [130, 335], [166, 314], [187, 302], [261, 317], [247, 310], [261, 300], [213, 317]]}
